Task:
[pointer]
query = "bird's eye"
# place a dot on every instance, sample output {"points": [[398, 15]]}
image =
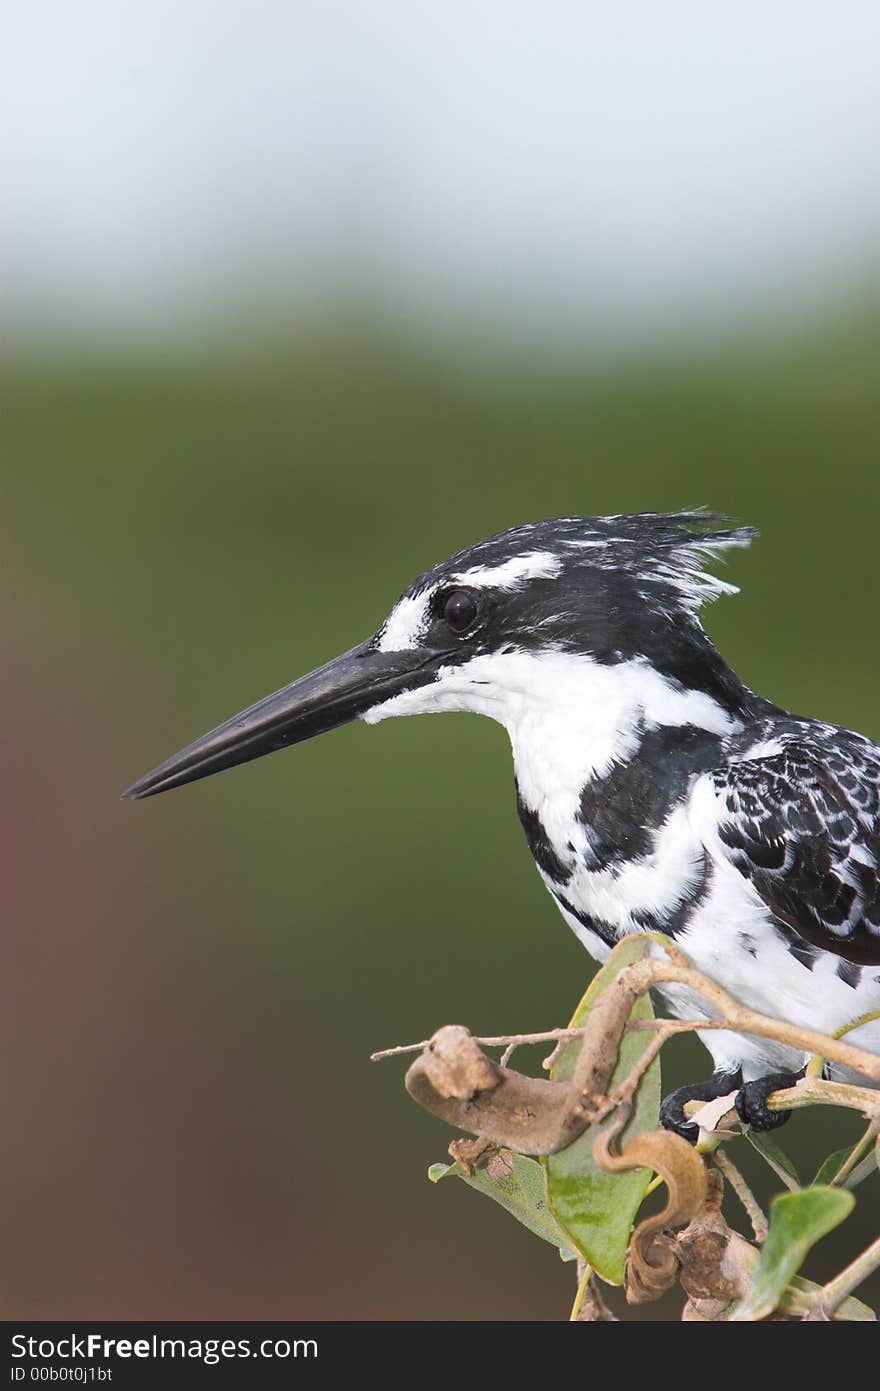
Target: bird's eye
{"points": [[459, 609]]}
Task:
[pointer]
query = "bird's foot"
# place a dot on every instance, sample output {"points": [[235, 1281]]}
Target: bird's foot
{"points": [[751, 1101], [672, 1116]]}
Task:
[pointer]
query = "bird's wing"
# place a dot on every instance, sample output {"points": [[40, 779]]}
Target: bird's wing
{"points": [[802, 824]]}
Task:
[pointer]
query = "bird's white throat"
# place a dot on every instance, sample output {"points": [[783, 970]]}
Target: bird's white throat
{"points": [[569, 717]]}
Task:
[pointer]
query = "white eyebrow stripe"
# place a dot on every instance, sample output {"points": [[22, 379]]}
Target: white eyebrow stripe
{"points": [[410, 618], [405, 624], [510, 574]]}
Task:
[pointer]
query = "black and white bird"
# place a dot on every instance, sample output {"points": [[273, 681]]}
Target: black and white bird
{"points": [[655, 789]]}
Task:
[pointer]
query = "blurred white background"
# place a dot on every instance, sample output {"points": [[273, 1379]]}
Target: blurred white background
{"points": [[571, 166]]}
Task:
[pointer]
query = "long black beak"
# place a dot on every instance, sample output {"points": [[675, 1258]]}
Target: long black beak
{"points": [[331, 696]]}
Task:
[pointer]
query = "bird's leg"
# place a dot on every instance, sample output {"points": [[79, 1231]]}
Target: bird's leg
{"points": [[672, 1116], [751, 1100]]}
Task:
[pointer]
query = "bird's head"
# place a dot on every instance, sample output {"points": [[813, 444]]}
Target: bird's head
{"points": [[500, 626]]}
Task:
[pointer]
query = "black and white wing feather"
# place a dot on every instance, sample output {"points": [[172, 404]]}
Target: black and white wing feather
{"points": [[803, 826]]}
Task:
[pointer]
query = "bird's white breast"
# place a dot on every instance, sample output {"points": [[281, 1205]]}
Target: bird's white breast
{"points": [[592, 718]]}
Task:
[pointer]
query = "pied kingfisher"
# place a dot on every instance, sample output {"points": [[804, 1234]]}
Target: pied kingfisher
{"points": [[655, 789]]}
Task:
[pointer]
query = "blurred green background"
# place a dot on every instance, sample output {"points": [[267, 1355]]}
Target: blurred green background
{"points": [[298, 299], [194, 983]]}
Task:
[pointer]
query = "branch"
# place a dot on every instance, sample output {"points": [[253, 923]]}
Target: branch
{"points": [[643, 975], [834, 1293], [746, 1021], [455, 1080], [753, 1210]]}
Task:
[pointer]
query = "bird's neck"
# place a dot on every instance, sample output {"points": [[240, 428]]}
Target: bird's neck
{"points": [[576, 718]]}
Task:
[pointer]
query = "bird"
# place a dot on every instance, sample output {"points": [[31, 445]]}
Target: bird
{"points": [[657, 791]]}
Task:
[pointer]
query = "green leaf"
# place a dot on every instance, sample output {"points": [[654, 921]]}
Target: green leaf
{"points": [[832, 1165], [865, 1168], [859, 1168], [595, 1209], [517, 1184], [775, 1156], [862, 1170], [797, 1221]]}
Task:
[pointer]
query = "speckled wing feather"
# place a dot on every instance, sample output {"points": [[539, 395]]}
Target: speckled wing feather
{"points": [[803, 825]]}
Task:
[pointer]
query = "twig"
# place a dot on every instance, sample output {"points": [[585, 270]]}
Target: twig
{"points": [[852, 1275], [585, 1270], [676, 1026], [650, 972], [497, 1041], [750, 1203], [558, 1049], [816, 1064], [397, 1050], [867, 1018], [455, 1080], [559, 1036], [857, 1151], [739, 1019], [627, 1089], [812, 1091]]}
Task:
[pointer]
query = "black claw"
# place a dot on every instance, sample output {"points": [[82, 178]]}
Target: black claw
{"points": [[672, 1116], [751, 1101]]}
